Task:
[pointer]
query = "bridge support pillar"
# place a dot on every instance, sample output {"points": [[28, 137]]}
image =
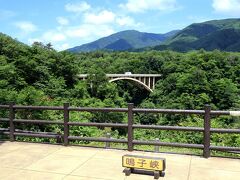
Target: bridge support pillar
{"points": [[153, 85]]}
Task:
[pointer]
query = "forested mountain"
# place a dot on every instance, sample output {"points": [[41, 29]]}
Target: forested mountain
{"points": [[124, 40], [55, 73], [223, 35], [217, 34], [39, 75]]}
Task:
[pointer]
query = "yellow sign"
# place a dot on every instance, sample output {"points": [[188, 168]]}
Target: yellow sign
{"points": [[143, 162]]}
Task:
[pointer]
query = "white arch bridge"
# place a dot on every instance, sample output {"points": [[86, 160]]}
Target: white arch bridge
{"points": [[148, 81]]}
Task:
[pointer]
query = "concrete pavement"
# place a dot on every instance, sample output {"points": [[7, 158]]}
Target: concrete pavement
{"points": [[32, 161]]}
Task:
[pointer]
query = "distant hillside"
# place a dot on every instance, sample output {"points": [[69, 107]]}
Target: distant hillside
{"points": [[217, 34], [124, 40]]}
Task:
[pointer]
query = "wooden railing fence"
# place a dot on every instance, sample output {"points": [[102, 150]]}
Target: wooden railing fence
{"points": [[207, 113]]}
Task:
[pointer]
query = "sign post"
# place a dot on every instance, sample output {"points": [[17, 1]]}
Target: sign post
{"points": [[131, 162]]}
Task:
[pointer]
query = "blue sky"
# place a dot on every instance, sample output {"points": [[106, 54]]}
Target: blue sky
{"points": [[68, 23]]}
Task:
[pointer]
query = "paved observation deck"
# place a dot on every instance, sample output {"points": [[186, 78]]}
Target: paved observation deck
{"points": [[34, 161]]}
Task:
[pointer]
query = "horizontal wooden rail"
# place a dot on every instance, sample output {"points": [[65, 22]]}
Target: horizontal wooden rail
{"points": [[220, 113], [24, 133], [217, 130], [167, 111], [57, 108], [184, 145], [4, 132], [4, 106], [179, 111], [98, 109], [4, 119], [98, 124], [29, 132], [224, 148], [30, 121], [36, 135], [177, 128], [4, 129], [97, 139]]}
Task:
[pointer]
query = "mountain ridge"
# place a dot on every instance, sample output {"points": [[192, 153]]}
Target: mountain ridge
{"points": [[131, 38], [215, 34], [223, 34]]}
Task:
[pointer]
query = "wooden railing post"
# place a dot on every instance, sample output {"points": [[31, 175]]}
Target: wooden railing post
{"points": [[11, 123], [107, 145], [156, 147], [206, 136], [130, 126], [59, 138], [66, 126]]}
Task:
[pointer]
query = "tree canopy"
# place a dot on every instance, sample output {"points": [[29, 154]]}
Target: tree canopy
{"points": [[39, 75]]}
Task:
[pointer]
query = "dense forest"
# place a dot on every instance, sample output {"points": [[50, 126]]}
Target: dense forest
{"points": [[39, 75]]}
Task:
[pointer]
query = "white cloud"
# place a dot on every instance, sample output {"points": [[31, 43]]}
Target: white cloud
{"points": [[89, 31], [77, 7], [144, 5], [102, 17], [84, 33], [62, 21], [92, 25], [103, 31], [127, 21], [26, 27], [80, 32], [51, 36], [230, 7], [61, 47], [32, 40]]}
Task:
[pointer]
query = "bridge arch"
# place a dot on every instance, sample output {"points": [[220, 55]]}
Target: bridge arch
{"points": [[145, 80], [132, 79]]}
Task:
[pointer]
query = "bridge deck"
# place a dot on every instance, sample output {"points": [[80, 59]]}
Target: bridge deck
{"points": [[125, 75], [40, 161]]}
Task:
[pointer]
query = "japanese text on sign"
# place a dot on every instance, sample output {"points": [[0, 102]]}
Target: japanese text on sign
{"points": [[141, 162]]}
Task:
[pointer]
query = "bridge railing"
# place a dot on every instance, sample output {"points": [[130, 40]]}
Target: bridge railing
{"points": [[207, 114]]}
